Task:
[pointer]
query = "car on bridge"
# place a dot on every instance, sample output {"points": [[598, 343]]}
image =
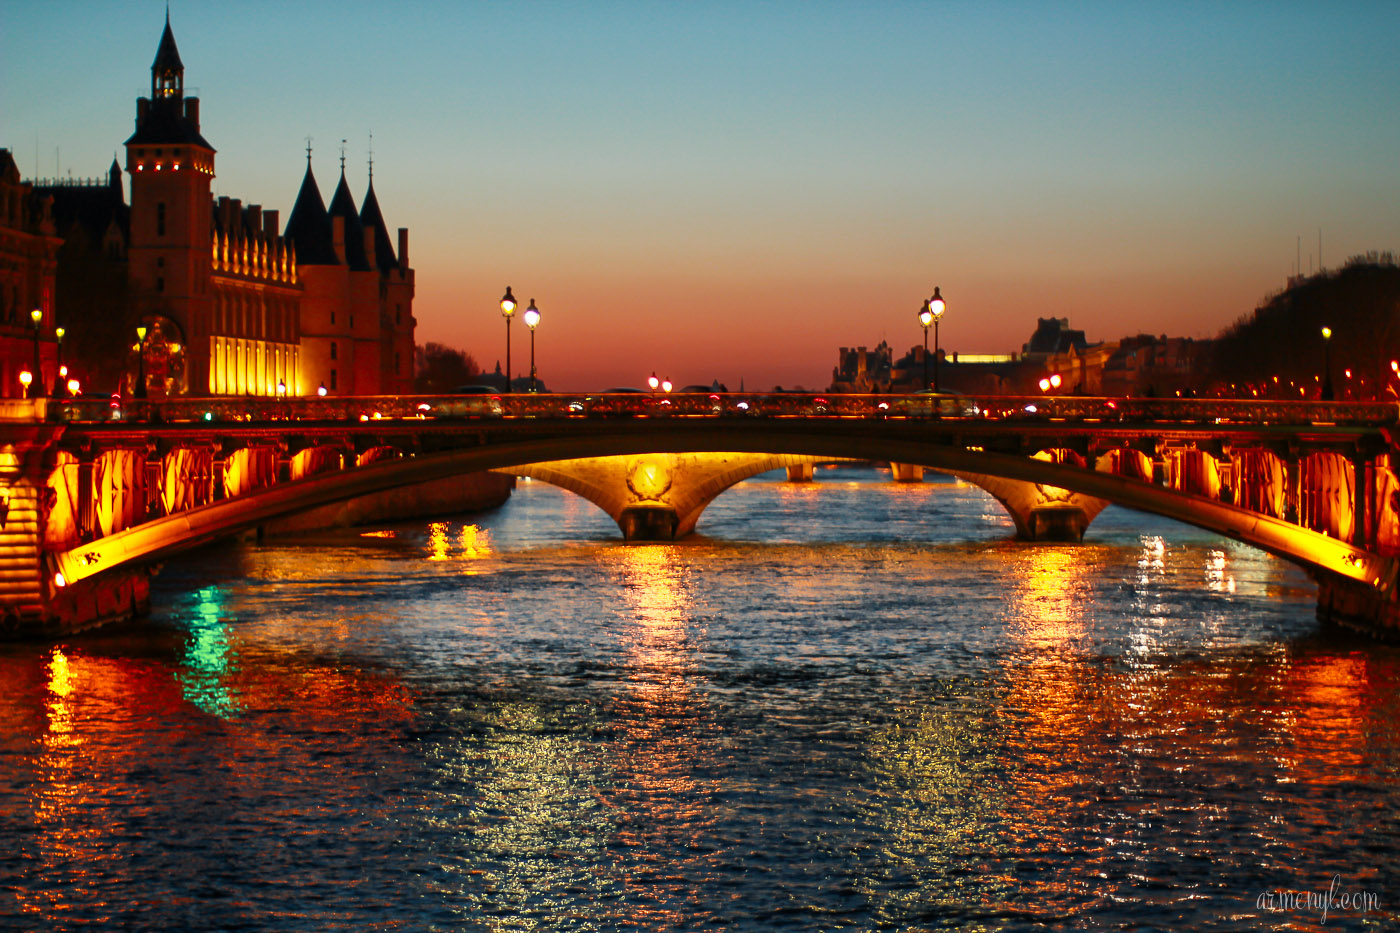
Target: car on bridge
{"points": [[931, 404]]}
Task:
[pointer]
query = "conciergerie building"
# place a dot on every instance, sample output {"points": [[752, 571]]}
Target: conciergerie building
{"points": [[228, 301]]}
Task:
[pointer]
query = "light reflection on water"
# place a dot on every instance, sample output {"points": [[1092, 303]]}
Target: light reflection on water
{"points": [[851, 704]]}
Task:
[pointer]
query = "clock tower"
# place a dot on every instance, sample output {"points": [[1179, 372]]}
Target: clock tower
{"points": [[171, 166]]}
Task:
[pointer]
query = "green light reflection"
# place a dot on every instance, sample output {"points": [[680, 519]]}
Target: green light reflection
{"points": [[209, 659]]}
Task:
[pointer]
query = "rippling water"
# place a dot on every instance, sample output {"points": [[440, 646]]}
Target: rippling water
{"points": [[850, 705]]}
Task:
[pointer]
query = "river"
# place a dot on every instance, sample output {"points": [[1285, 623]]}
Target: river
{"points": [[849, 705]]}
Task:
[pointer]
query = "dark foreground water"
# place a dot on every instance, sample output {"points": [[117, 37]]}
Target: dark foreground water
{"points": [[853, 705]]}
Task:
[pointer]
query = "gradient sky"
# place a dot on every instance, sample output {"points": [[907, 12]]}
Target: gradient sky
{"points": [[735, 190]]}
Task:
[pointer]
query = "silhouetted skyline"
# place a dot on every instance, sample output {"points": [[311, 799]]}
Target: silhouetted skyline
{"points": [[728, 191]]}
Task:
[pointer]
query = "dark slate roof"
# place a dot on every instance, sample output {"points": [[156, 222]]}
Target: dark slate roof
{"points": [[167, 56], [372, 219], [309, 227], [93, 207], [165, 125], [343, 205]]}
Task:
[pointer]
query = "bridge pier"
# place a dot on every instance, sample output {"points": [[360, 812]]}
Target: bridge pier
{"points": [[801, 473], [907, 472], [1356, 606], [649, 523]]}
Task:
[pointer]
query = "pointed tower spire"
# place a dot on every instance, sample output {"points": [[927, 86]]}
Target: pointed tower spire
{"points": [[343, 205], [167, 71]]}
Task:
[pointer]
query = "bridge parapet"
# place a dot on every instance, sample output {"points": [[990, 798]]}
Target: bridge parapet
{"points": [[1105, 412]]}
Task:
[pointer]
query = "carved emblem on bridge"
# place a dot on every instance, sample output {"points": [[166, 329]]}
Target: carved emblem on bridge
{"points": [[648, 478]]}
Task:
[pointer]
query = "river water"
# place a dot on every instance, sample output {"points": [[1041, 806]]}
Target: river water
{"points": [[851, 705]]}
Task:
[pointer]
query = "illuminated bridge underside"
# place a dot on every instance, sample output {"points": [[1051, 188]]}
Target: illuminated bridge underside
{"points": [[657, 496], [158, 539]]}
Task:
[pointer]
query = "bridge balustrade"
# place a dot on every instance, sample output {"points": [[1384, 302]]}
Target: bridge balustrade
{"points": [[1092, 410]]}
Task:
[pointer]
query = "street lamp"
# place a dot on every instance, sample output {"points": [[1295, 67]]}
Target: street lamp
{"points": [[925, 319], [936, 307], [653, 382], [62, 372], [665, 385], [25, 379], [532, 317], [321, 390], [140, 362], [1327, 364], [36, 388], [507, 309]]}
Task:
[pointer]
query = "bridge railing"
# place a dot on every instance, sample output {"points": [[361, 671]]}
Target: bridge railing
{"points": [[343, 409]]}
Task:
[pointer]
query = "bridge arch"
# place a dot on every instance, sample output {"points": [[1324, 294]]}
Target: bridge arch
{"points": [[656, 495], [155, 540]]}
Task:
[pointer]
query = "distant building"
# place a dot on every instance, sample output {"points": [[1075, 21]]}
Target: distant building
{"points": [[861, 370], [231, 306], [28, 261], [1162, 366]]}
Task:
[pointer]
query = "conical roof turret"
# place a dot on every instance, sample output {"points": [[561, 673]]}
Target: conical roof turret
{"points": [[372, 219], [343, 206], [309, 226]]}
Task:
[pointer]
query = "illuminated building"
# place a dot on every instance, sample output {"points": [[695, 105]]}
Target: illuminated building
{"points": [[28, 256], [231, 306]]}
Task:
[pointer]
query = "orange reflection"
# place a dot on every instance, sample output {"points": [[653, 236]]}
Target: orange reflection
{"points": [[661, 742], [472, 542], [1050, 596], [1325, 740]]}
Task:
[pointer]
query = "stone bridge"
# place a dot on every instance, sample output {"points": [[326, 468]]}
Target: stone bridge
{"points": [[95, 495]]}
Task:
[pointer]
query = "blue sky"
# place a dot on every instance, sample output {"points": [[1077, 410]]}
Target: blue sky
{"points": [[733, 190]]}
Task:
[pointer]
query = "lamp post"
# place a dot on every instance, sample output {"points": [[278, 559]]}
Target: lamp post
{"points": [[507, 309], [1327, 364], [936, 307], [36, 388], [653, 382], [140, 362], [532, 317], [61, 371], [925, 319]]}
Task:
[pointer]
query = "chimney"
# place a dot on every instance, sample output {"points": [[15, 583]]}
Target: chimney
{"points": [[254, 218], [338, 238], [270, 225], [403, 247]]}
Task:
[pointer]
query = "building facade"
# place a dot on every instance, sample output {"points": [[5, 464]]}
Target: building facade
{"points": [[28, 261], [215, 298]]}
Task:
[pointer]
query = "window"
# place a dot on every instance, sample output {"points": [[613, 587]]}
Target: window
{"points": [[333, 379], [160, 219], [352, 322], [398, 314], [332, 318], [397, 368], [334, 354], [160, 283]]}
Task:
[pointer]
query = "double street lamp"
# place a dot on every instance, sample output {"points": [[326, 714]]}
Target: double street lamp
{"points": [[507, 309], [532, 318], [931, 313]]}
